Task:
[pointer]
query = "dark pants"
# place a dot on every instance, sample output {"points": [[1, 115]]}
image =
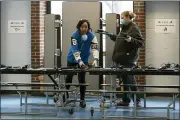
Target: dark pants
{"points": [[81, 78], [129, 79]]}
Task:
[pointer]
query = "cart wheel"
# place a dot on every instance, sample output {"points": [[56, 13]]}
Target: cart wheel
{"points": [[92, 111], [71, 111], [55, 98], [101, 104]]}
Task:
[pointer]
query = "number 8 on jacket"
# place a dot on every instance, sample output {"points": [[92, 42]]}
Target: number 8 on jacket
{"points": [[73, 41]]}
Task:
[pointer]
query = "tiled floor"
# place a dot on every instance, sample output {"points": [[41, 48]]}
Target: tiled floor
{"points": [[12, 104]]}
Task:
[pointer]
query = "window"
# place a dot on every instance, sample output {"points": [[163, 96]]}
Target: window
{"points": [[107, 6], [56, 7], [114, 7]]}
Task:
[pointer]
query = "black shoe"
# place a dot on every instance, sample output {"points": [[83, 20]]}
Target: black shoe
{"points": [[138, 104], [82, 104], [121, 103]]}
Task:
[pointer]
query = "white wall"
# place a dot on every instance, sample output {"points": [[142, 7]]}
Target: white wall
{"points": [[15, 48], [160, 47]]}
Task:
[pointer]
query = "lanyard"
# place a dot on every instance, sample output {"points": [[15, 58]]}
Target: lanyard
{"points": [[82, 44]]}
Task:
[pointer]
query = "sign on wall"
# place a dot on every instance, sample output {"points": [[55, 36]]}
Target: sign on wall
{"points": [[165, 25], [16, 26]]}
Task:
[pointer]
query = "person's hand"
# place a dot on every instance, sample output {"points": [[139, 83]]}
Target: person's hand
{"points": [[112, 36], [95, 63], [82, 65], [128, 39]]}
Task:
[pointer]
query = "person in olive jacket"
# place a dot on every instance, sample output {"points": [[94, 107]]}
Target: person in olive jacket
{"points": [[126, 53]]}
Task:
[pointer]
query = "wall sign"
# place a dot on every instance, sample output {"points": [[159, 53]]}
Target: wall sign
{"points": [[16, 26], [165, 25]]}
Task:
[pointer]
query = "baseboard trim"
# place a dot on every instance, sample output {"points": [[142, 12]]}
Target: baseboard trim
{"points": [[8, 92], [147, 95], [107, 95], [41, 94], [159, 95]]}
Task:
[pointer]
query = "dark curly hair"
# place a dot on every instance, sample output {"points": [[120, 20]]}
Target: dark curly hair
{"points": [[81, 22]]}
